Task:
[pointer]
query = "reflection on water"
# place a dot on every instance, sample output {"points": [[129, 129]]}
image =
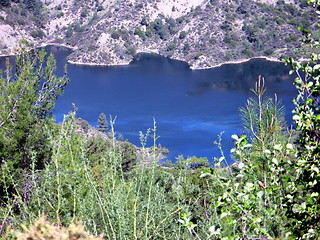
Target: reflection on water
{"points": [[241, 77]]}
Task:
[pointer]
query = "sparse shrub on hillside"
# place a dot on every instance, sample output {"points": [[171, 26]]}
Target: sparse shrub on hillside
{"points": [[60, 14], [186, 48], [268, 52], [125, 35], [291, 9], [115, 35], [248, 52], [148, 33], [182, 34], [212, 40], [5, 3], [197, 55], [37, 34], [69, 32], [100, 8], [140, 33], [21, 21], [231, 39], [251, 32], [131, 49], [158, 28], [180, 20], [77, 27], [145, 20], [226, 26], [33, 5], [138, 6], [291, 38], [172, 46], [84, 14], [171, 23], [261, 23], [279, 20]]}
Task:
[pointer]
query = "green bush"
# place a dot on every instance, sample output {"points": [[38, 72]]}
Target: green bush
{"points": [[37, 33], [182, 34], [172, 46], [115, 35], [198, 55], [140, 33]]}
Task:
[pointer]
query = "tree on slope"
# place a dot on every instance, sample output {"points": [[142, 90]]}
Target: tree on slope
{"points": [[26, 99], [102, 123]]}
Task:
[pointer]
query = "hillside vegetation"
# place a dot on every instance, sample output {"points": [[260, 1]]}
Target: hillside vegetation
{"points": [[71, 181], [202, 33]]}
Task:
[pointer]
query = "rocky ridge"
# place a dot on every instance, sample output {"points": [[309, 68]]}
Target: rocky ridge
{"points": [[204, 33]]}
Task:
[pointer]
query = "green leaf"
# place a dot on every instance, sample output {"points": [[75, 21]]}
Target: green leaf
{"points": [[205, 174], [214, 231], [260, 194], [289, 146], [267, 151], [314, 168], [247, 145], [275, 161], [257, 219], [241, 165], [224, 215], [277, 147], [296, 117], [316, 67], [309, 101]]}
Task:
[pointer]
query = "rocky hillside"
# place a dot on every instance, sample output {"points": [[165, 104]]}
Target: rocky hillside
{"points": [[203, 33]]}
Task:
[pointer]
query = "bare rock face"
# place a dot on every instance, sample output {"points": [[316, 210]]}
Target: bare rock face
{"points": [[204, 33]]}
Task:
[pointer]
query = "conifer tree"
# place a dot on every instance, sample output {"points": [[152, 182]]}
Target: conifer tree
{"points": [[102, 123], [26, 99]]}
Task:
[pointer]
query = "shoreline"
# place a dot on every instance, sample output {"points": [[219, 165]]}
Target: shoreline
{"points": [[41, 46], [97, 64], [271, 59], [192, 68]]}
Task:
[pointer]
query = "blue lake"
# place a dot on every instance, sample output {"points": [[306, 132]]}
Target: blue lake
{"points": [[191, 107]]}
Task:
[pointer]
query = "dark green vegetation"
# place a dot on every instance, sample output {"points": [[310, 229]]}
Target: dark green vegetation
{"points": [[71, 172]]}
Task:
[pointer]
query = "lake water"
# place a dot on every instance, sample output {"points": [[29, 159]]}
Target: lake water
{"points": [[191, 107]]}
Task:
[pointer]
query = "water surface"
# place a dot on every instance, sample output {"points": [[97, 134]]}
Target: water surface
{"points": [[191, 107]]}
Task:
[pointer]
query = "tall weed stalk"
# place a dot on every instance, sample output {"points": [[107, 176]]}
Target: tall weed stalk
{"points": [[92, 187]]}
